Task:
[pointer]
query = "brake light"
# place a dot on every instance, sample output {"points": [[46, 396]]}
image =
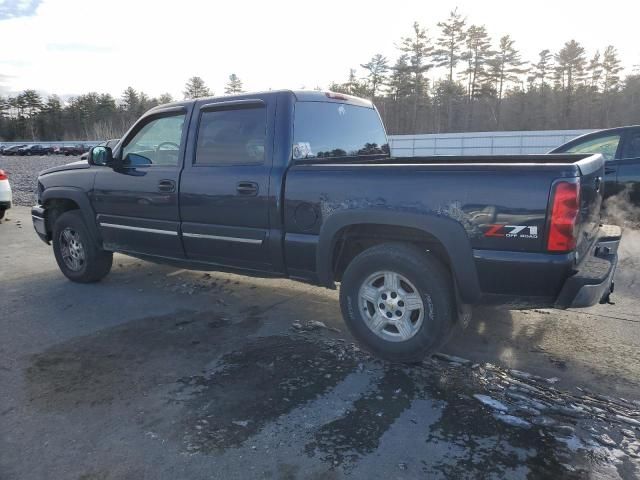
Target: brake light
{"points": [[3, 175], [564, 217], [337, 96]]}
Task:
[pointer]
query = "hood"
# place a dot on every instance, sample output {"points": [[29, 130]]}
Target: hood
{"points": [[69, 166]]}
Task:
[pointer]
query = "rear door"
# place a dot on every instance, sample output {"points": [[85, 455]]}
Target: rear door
{"points": [[137, 204], [224, 188]]}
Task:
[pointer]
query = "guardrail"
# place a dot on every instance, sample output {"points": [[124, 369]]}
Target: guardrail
{"points": [[480, 143]]}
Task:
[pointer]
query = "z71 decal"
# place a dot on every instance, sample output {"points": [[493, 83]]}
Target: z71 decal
{"points": [[512, 231]]}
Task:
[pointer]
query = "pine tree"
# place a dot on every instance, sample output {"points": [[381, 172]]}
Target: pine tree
{"points": [[234, 85], [570, 70], [611, 69], [595, 72], [377, 69], [196, 88], [165, 98], [450, 43], [129, 100], [400, 80], [419, 50], [505, 66], [543, 68], [477, 55]]}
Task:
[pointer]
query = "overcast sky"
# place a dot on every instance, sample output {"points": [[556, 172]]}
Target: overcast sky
{"points": [[76, 46]]}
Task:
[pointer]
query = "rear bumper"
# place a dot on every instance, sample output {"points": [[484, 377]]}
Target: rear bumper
{"points": [[593, 281], [39, 222]]}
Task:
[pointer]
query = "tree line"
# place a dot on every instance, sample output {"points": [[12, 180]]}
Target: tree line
{"points": [[459, 79], [487, 85], [91, 116]]}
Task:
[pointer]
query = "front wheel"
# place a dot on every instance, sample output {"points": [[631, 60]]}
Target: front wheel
{"points": [[398, 300], [78, 257]]}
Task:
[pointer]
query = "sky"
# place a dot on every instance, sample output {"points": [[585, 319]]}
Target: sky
{"points": [[68, 47]]}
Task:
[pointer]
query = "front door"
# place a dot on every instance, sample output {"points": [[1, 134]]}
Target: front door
{"points": [[608, 144], [629, 168], [137, 202], [224, 189]]}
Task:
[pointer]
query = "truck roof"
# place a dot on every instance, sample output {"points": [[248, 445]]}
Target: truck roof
{"points": [[299, 95]]}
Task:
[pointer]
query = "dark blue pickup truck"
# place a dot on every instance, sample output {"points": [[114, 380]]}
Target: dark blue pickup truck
{"points": [[302, 185]]}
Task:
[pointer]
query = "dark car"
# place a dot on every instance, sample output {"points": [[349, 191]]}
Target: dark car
{"points": [[13, 150], [71, 149], [35, 150], [108, 143], [620, 148], [302, 185]]}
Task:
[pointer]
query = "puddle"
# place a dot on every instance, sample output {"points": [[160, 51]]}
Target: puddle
{"points": [[268, 378]]}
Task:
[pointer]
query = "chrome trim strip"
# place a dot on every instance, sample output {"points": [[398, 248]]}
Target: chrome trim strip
{"points": [[220, 237], [138, 229]]}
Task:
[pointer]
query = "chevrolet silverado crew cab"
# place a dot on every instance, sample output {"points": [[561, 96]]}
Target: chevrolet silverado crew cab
{"points": [[302, 185]]}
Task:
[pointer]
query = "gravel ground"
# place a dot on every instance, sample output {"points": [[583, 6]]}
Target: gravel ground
{"points": [[23, 172]]}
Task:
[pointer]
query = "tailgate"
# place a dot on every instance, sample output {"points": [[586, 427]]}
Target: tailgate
{"points": [[591, 194]]}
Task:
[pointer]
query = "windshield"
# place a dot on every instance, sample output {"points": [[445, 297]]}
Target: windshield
{"points": [[334, 130]]}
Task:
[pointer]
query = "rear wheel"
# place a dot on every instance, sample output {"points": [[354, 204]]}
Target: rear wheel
{"points": [[2, 212], [398, 300], [78, 257]]}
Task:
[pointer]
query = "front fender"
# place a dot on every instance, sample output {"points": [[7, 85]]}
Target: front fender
{"points": [[450, 233], [81, 198]]}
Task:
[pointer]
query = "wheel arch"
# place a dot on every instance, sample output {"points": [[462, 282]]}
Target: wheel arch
{"points": [[442, 233], [58, 200]]}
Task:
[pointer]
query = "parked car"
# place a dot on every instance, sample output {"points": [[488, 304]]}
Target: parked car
{"points": [[13, 150], [302, 185], [77, 149], [5, 193], [29, 150], [108, 143], [620, 148]]}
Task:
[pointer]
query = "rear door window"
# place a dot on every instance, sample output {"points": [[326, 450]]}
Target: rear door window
{"points": [[232, 137], [334, 130]]}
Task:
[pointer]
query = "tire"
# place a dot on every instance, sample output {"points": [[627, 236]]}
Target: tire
{"points": [[71, 240], [2, 212], [418, 276]]}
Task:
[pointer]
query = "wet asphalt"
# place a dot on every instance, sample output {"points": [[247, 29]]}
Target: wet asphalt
{"points": [[161, 373]]}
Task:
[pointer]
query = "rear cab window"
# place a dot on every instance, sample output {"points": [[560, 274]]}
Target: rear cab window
{"points": [[337, 130]]}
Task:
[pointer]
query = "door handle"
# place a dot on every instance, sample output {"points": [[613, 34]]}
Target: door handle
{"points": [[609, 169], [167, 186], [250, 189]]}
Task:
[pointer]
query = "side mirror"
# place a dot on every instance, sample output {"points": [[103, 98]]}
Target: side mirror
{"points": [[100, 156]]}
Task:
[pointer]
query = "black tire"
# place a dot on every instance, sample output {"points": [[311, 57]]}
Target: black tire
{"points": [[2, 212], [434, 287], [96, 262]]}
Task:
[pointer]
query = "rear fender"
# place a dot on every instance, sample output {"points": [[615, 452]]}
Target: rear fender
{"points": [[448, 232]]}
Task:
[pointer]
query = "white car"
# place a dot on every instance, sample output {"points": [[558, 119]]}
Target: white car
{"points": [[5, 193]]}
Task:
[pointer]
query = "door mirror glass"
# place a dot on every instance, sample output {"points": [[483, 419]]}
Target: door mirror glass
{"points": [[100, 156]]}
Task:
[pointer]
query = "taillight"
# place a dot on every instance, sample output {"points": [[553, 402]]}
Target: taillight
{"points": [[3, 175], [564, 217]]}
